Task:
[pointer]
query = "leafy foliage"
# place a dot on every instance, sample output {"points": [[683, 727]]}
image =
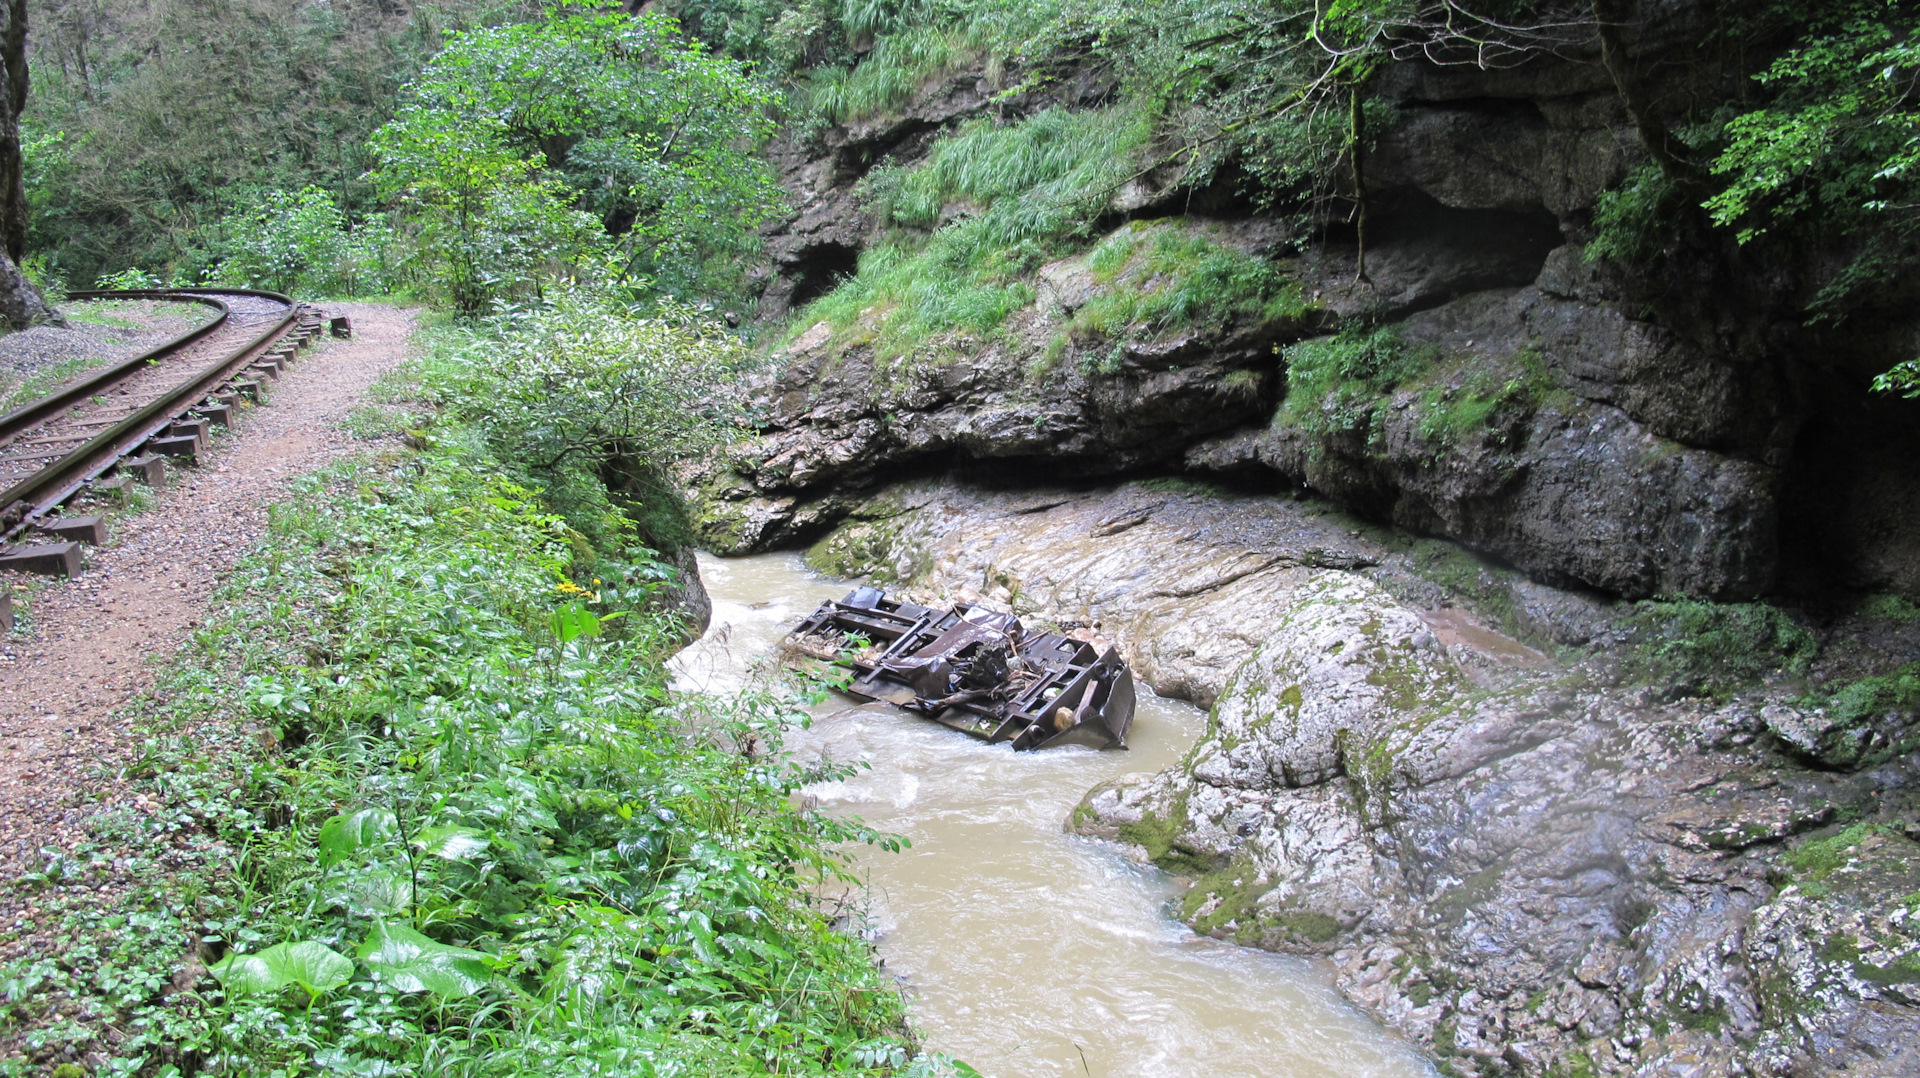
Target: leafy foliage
{"points": [[150, 122], [581, 389], [313, 966], [487, 845], [301, 242], [600, 113], [487, 221], [1838, 146]]}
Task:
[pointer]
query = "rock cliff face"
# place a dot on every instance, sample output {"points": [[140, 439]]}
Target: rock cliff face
{"points": [[1507, 852], [1600, 426]]}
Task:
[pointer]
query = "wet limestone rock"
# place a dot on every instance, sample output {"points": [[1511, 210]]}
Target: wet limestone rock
{"points": [[1342, 664], [1322, 696]]}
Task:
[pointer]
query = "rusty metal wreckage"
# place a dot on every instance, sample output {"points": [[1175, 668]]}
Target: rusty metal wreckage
{"points": [[973, 669], [123, 422]]}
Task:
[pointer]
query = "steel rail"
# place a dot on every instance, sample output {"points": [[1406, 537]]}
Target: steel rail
{"points": [[22, 505], [34, 413]]}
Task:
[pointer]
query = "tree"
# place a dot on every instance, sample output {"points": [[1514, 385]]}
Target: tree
{"points": [[645, 129], [486, 216], [21, 304]]}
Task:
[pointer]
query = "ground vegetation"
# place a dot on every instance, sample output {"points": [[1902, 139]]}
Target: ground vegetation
{"points": [[422, 797]]}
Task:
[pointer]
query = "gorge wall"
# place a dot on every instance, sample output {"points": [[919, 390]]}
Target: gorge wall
{"points": [[1667, 428]]}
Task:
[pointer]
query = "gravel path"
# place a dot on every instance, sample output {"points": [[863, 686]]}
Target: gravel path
{"points": [[94, 637]]}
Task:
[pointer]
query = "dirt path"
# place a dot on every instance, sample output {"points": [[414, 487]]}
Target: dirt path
{"points": [[93, 638]]}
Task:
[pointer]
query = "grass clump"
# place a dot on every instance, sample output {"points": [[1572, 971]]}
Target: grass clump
{"points": [[1334, 384], [1156, 277], [1018, 195], [1862, 701], [1714, 649], [1889, 607], [1812, 862], [916, 44], [1471, 404]]}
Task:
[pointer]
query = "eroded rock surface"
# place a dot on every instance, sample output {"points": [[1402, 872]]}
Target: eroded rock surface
{"points": [[1633, 429], [1505, 854]]}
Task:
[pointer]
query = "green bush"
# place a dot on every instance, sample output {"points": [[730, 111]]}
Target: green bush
{"points": [[1634, 221], [1716, 649], [300, 242], [582, 389]]}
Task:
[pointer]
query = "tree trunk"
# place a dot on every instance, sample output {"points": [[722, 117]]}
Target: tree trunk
{"points": [[1609, 16], [20, 303]]}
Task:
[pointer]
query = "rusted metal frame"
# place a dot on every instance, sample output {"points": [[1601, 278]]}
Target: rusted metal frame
{"points": [[34, 413], [67, 475]]}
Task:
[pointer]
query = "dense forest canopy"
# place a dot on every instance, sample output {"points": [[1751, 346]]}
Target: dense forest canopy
{"points": [[148, 122]]}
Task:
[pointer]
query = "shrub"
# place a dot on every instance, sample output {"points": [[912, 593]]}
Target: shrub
{"points": [[583, 388], [301, 242]]}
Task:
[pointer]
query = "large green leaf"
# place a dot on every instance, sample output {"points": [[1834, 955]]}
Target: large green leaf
{"points": [[452, 843], [411, 962], [313, 966], [574, 621], [340, 836]]}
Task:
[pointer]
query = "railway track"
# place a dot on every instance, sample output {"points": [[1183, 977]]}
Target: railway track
{"points": [[125, 421]]}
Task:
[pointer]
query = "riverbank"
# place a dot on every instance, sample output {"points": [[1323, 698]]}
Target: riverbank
{"points": [[1027, 951]]}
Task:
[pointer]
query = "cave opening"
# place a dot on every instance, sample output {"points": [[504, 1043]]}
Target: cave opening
{"points": [[819, 269]]}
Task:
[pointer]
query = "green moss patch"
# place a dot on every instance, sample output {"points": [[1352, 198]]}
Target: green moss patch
{"points": [[1714, 649]]}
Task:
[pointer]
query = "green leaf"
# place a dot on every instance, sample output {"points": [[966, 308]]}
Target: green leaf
{"points": [[313, 966], [452, 843], [574, 621], [373, 892], [340, 836], [411, 962]]}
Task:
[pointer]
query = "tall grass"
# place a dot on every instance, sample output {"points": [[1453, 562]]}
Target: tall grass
{"points": [[1023, 194], [917, 45]]}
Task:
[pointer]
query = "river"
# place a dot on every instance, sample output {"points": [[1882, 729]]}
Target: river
{"points": [[1027, 951]]}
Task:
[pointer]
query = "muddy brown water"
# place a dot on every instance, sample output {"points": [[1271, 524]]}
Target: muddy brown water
{"points": [[1027, 951]]}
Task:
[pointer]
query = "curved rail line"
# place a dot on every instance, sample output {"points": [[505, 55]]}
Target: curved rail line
{"points": [[163, 399]]}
